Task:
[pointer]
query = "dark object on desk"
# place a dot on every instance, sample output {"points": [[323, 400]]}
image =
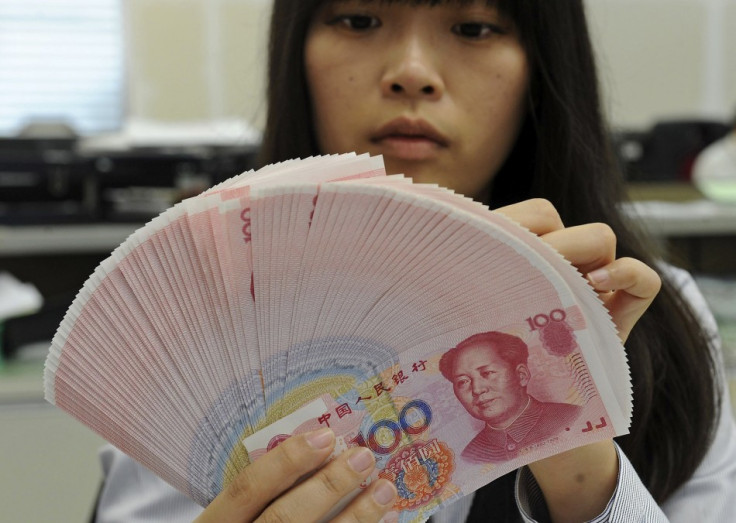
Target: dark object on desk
{"points": [[43, 181], [134, 186], [667, 151], [48, 181]]}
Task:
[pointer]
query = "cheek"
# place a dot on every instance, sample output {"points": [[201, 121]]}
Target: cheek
{"points": [[514, 94], [503, 115], [463, 395], [320, 83], [493, 107], [334, 120], [504, 102], [316, 71], [506, 385], [332, 88]]}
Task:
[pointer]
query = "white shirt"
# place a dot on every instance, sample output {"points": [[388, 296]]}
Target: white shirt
{"points": [[133, 494]]}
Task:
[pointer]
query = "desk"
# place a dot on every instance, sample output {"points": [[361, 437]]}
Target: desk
{"points": [[50, 470], [694, 218], [57, 259], [25, 240], [21, 383], [699, 234]]}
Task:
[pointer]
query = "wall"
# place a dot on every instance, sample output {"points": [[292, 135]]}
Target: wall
{"points": [[665, 58], [198, 59]]}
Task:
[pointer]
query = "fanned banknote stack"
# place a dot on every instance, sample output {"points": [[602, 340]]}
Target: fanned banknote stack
{"points": [[322, 292]]}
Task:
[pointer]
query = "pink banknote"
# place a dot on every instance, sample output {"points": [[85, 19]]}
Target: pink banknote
{"points": [[444, 423]]}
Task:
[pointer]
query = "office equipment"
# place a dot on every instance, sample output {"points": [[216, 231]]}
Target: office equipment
{"points": [[52, 181]]}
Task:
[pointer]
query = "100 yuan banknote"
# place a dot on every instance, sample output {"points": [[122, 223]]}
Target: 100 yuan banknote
{"points": [[444, 424]]}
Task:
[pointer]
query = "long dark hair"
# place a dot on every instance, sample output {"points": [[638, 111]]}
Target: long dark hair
{"points": [[563, 155]]}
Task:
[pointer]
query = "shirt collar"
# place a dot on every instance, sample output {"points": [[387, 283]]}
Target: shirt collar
{"points": [[521, 426]]}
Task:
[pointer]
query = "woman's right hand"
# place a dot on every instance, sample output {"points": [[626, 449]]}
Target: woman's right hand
{"points": [[266, 490]]}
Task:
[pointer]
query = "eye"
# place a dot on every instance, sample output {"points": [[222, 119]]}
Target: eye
{"points": [[462, 383], [476, 30], [356, 22], [487, 373]]}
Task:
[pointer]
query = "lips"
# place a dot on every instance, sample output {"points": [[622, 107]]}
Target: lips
{"points": [[409, 139], [483, 404]]}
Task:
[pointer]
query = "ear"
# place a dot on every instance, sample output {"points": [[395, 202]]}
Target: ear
{"points": [[522, 371]]}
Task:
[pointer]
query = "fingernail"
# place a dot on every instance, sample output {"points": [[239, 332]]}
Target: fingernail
{"points": [[384, 493], [321, 439], [599, 276], [361, 460]]}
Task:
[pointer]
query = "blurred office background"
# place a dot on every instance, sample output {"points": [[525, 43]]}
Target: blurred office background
{"points": [[112, 110]]}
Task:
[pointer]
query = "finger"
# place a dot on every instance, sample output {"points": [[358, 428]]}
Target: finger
{"points": [[315, 497], [587, 247], [634, 286], [538, 215], [371, 505], [261, 482]]}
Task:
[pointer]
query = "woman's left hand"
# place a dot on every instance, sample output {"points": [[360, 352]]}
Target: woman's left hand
{"points": [[579, 483], [626, 285]]}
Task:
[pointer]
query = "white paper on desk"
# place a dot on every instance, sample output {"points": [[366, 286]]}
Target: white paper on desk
{"points": [[17, 298], [152, 133], [692, 209]]}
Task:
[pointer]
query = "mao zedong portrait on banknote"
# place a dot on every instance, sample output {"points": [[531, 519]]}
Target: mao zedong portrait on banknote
{"points": [[489, 374]]}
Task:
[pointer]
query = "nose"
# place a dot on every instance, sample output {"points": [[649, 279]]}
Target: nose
{"points": [[411, 72], [479, 386]]}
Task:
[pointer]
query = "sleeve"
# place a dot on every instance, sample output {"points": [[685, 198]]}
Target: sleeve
{"points": [[630, 503], [133, 494], [707, 497]]}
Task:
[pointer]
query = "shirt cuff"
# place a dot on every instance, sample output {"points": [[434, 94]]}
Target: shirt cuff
{"points": [[630, 502]]}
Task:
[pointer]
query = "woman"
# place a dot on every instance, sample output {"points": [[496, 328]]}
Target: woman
{"points": [[498, 101]]}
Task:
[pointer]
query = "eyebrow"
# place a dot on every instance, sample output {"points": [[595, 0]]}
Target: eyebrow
{"points": [[485, 366]]}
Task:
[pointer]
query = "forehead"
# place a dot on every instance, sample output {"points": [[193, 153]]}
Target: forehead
{"points": [[477, 355]]}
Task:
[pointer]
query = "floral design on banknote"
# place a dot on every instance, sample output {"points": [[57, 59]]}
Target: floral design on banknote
{"points": [[420, 472], [326, 368]]}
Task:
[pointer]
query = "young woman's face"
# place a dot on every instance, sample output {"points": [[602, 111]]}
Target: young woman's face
{"points": [[439, 91]]}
